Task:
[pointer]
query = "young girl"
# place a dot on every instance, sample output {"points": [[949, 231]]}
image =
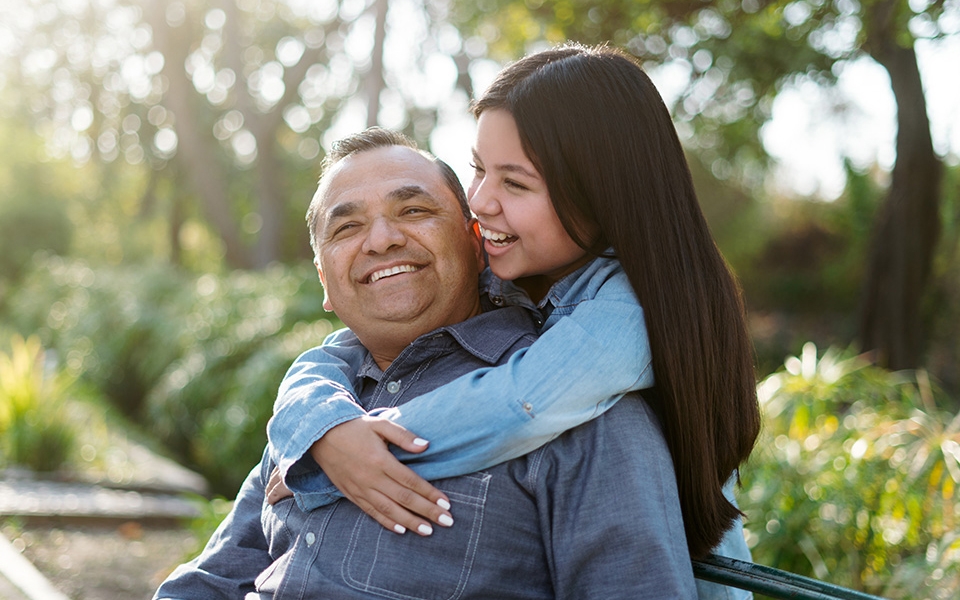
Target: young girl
{"points": [[585, 202]]}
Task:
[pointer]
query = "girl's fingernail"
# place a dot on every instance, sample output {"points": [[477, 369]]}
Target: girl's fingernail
{"points": [[443, 504], [445, 520], [420, 442], [400, 529], [425, 529]]}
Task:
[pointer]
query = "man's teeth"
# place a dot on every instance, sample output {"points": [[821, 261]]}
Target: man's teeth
{"points": [[392, 271]]}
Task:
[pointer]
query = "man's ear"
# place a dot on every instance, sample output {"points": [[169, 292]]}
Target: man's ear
{"points": [[477, 240], [326, 297]]}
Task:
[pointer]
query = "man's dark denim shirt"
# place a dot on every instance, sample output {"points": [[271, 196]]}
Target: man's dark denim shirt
{"points": [[592, 514]]}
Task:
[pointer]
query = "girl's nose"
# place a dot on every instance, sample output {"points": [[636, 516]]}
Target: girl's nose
{"points": [[481, 199]]}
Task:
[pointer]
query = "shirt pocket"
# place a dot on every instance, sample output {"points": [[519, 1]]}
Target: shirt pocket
{"points": [[409, 566]]}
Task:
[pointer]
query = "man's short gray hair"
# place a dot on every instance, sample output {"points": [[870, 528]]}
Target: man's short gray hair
{"points": [[371, 139]]}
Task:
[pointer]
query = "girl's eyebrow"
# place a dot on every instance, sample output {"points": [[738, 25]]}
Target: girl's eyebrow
{"points": [[508, 167]]}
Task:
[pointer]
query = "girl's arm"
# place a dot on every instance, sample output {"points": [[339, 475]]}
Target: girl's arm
{"points": [[319, 385], [576, 370], [321, 438]]}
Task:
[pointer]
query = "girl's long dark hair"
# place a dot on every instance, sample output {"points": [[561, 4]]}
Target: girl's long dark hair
{"points": [[595, 126]]}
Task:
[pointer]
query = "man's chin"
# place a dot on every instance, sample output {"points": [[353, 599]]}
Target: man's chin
{"points": [[398, 307]]}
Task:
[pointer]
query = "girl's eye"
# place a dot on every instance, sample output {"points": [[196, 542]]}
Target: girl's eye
{"points": [[514, 185], [477, 170]]}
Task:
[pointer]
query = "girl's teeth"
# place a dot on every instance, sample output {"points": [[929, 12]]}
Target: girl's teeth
{"points": [[497, 237]]}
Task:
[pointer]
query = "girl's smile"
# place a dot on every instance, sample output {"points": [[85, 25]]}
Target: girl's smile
{"points": [[522, 233], [497, 239]]}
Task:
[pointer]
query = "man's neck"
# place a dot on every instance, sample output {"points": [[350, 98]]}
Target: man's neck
{"points": [[385, 346]]}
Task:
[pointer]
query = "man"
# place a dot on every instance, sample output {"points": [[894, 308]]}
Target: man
{"points": [[592, 514]]}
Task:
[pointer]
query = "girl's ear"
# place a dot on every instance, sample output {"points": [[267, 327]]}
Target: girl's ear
{"points": [[326, 298]]}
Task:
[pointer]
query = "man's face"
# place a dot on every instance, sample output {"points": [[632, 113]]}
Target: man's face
{"points": [[396, 257]]}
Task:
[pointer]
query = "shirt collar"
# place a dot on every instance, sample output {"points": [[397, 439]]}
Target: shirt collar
{"points": [[558, 293], [486, 336]]}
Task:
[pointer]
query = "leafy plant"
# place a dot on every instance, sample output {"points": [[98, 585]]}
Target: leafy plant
{"points": [[854, 478], [34, 428], [210, 513], [194, 360]]}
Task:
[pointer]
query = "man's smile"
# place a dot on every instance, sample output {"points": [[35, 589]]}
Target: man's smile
{"points": [[391, 271]]}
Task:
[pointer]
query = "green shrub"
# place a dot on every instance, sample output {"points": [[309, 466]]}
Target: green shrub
{"points": [[194, 360], [34, 427], [116, 327], [214, 410], [26, 227], [210, 513], [854, 478]]}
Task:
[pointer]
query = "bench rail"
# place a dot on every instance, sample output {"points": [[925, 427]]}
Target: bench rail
{"points": [[771, 582]]}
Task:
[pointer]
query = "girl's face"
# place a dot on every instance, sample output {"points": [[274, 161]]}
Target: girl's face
{"points": [[522, 233]]}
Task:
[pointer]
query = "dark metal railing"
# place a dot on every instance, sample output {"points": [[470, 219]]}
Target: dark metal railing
{"points": [[770, 582]]}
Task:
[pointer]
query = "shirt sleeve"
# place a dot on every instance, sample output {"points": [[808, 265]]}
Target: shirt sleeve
{"points": [[236, 553], [577, 370], [609, 510], [316, 394]]}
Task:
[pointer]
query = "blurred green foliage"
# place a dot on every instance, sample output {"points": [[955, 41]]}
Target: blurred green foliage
{"points": [[194, 360], [28, 225], [35, 429], [210, 513], [854, 478], [33, 211]]}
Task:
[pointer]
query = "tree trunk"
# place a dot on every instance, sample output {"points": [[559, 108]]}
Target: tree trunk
{"points": [[373, 82], [273, 197], [907, 228], [196, 151]]}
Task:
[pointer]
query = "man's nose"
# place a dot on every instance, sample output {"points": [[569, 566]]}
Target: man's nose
{"points": [[482, 201], [383, 235]]}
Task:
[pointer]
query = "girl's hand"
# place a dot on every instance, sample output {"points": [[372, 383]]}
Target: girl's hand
{"points": [[276, 489], [355, 457]]}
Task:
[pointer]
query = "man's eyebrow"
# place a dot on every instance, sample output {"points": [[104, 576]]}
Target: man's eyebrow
{"points": [[344, 209], [406, 192]]}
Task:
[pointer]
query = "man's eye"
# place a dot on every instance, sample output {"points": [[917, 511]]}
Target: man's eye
{"points": [[414, 210], [343, 228]]}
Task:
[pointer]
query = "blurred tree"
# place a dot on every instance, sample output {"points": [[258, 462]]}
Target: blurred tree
{"points": [[31, 216], [226, 102], [738, 55]]}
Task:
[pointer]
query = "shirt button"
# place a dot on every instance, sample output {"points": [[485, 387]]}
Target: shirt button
{"points": [[528, 407], [393, 387], [498, 300], [311, 538]]}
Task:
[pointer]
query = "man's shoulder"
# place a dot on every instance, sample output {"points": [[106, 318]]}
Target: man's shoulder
{"points": [[630, 426], [494, 335]]}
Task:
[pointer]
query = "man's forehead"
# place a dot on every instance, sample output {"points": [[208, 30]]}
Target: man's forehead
{"points": [[391, 173]]}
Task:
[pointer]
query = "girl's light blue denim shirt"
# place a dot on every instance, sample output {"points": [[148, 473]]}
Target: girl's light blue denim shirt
{"points": [[579, 368]]}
